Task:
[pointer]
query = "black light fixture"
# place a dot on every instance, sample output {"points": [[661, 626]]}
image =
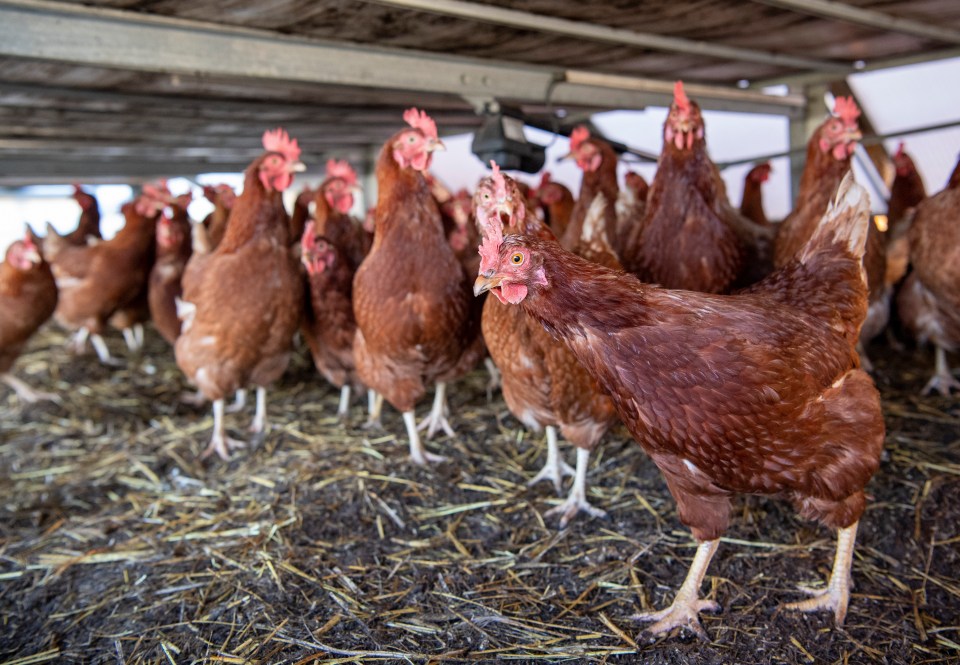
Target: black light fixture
{"points": [[501, 139]]}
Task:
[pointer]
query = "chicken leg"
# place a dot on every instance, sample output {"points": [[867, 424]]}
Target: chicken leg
{"points": [[438, 414], [374, 408], [239, 401], [25, 392], [259, 424], [343, 408], [837, 594], [220, 443], [555, 468], [942, 380], [418, 454], [495, 380], [577, 499], [686, 607]]}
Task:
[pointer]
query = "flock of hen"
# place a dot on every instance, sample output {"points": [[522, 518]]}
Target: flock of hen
{"points": [[728, 346]]}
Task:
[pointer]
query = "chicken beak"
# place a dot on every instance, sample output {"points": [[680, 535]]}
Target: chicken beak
{"points": [[854, 135], [355, 189], [296, 167], [486, 282], [33, 255], [436, 145]]}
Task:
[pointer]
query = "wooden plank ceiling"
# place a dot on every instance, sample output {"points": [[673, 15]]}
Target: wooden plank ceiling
{"points": [[131, 89]]}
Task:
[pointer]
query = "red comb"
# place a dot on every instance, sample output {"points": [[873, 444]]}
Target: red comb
{"points": [[899, 152], [545, 179], [77, 189], [578, 136], [680, 97], [420, 120], [491, 227], [337, 168], [499, 184], [279, 141], [846, 109]]}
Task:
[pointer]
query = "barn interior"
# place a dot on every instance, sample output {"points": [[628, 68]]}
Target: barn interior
{"points": [[319, 542]]}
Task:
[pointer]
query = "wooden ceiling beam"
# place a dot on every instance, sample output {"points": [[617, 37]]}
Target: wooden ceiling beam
{"points": [[513, 18], [81, 35], [842, 11]]}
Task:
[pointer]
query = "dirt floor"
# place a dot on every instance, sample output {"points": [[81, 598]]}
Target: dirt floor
{"points": [[322, 543]]}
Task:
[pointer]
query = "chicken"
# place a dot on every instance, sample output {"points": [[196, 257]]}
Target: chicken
{"points": [[751, 204], [88, 226], [929, 301], [96, 281], [411, 298], [598, 162], [954, 180], [557, 203], [543, 384], [756, 393], [906, 193], [829, 151], [242, 303], [164, 286], [691, 237], [28, 297], [222, 197], [329, 326], [631, 209], [301, 213], [462, 233], [334, 201]]}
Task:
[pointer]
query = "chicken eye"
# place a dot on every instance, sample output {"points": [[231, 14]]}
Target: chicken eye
{"points": [[517, 259], [411, 138]]}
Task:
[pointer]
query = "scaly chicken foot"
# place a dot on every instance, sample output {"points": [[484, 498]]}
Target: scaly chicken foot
{"points": [[836, 596], [259, 424], [418, 454], [942, 380], [685, 610], [374, 408], [220, 443], [26, 393], [495, 381], [577, 499], [103, 353], [78, 342], [133, 336], [555, 468], [438, 414]]}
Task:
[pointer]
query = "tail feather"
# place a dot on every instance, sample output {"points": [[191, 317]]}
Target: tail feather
{"points": [[845, 223]]}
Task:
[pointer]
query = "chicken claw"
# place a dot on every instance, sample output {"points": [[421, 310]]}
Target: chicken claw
{"points": [[220, 443], [685, 610], [555, 468], [837, 594], [438, 414], [577, 499], [418, 454], [374, 407], [943, 380], [26, 393]]}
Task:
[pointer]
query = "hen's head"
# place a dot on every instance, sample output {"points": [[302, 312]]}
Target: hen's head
{"points": [[509, 267], [223, 193], [684, 123], [282, 160], [85, 200], [458, 207], [316, 253], [550, 191], [838, 136], [24, 255], [340, 186], [584, 150], [169, 235], [154, 197], [498, 201], [413, 148], [760, 173], [903, 162]]}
